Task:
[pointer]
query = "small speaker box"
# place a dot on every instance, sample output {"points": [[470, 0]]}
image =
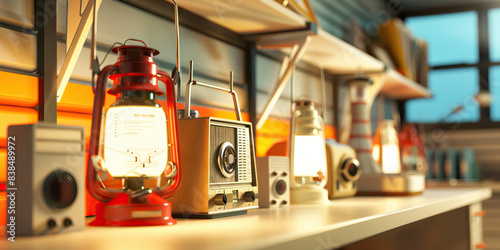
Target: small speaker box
{"points": [[274, 181], [46, 191]]}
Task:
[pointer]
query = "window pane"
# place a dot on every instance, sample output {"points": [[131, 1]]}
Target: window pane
{"points": [[452, 38], [495, 93], [494, 33], [451, 89]]}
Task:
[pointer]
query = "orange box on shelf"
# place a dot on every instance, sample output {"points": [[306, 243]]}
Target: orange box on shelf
{"points": [[274, 131], [3, 179], [14, 115], [18, 90], [330, 132], [3, 168], [3, 208], [273, 137], [76, 119], [80, 98]]}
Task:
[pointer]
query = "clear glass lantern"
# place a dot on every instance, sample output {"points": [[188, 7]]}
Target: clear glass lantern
{"points": [[308, 155], [386, 147], [377, 179], [134, 153], [413, 156]]}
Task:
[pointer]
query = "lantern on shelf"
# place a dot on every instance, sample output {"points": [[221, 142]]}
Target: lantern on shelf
{"points": [[134, 153], [308, 155], [387, 179], [386, 147], [413, 155]]}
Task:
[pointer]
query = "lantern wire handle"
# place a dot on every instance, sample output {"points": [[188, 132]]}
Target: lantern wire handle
{"points": [[191, 82], [109, 50], [135, 40]]}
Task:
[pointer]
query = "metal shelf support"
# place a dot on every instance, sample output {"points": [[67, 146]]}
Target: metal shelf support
{"points": [[76, 41], [46, 59], [299, 45]]}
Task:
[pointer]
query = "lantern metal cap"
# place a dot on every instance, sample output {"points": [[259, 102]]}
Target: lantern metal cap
{"points": [[127, 47], [304, 102]]}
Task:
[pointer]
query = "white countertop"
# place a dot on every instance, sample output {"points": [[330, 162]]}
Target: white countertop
{"points": [[331, 225]]}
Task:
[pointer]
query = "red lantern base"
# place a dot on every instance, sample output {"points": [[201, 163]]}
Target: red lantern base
{"points": [[120, 211]]}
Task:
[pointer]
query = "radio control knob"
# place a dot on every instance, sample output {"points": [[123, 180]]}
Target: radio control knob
{"points": [[51, 223], [249, 196], [220, 199], [227, 160], [68, 222]]}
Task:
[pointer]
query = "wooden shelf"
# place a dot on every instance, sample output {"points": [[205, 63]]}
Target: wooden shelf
{"points": [[295, 227], [330, 52], [246, 17], [256, 17], [339, 57], [398, 87], [267, 16]]}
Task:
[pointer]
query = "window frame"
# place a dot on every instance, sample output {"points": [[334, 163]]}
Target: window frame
{"points": [[483, 65]]}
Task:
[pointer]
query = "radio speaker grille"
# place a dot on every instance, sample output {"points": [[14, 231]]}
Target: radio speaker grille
{"points": [[244, 159]]}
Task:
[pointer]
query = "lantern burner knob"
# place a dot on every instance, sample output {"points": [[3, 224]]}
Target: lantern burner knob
{"points": [[139, 193]]}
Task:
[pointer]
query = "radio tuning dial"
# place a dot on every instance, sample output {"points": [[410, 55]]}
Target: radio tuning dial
{"points": [[227, 160], [220, 199], [249, 196]]}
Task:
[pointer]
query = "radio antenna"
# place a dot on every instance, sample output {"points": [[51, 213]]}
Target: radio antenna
{"points": [[176, 72]]}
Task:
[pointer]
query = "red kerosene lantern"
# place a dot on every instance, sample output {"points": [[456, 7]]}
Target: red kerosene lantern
{"points": [[134, 158]]}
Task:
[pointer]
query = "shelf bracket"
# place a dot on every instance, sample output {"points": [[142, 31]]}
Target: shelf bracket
{"points": [[299, 45], [76, 41], [378, 82]]}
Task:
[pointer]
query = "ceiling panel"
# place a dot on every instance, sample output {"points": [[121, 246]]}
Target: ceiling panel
{"points": [[429, 5]]}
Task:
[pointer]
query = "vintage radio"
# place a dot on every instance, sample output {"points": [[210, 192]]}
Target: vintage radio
{"points": [[47, 195], [274, 181], [343, 170], [218, 157]]}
